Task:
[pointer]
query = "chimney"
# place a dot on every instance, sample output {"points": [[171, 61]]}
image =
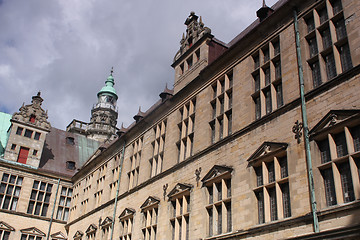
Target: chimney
{"points": [[264, 12]]}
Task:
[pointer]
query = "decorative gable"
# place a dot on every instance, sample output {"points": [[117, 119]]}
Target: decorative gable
{"points": [[107, 222], [267, 149], [6, 227], [91, 229], [215, 172], [180, 188], [127, 213], [334, 117], [150, 202], [58, 235], [33, 114], [33, 231], [78, 235]]}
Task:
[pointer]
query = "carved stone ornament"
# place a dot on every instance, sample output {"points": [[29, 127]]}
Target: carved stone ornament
{"points": [[32, 231], [297, 129], [197, 174], [180, 187], [150, 201], [33, 113], [91, 229], [194, 31], [164, 188], [78, 235], [126, 213]]}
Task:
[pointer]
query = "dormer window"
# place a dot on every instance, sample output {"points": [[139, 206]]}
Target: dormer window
{"points": [[70, 140], [70, 165]]}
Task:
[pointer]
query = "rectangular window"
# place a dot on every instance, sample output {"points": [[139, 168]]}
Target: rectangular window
{"points": [[340, 142], [277, 66], [35, 152], [330, 66], [260, 200], [64, 204], [310, 24], [279, 95], [313, 47], [259, 177], [286, 199], [283, 167], [326, 38], [28, 133], [189, 62], [329, 187], [276, 46], [340, 29], [257, 107], [355, 133], [268, 102], [13, 146], [39, 198], [345, 57], [10, 191], [257, 81], [273, 204], [267, 76], [316, 75], [266, 54], [19, 130], [346, 182], [37, 135], [323, 15], [336, 5], [324, 150], [256, 61], [271, 171], [229, 118], [4, 235]]}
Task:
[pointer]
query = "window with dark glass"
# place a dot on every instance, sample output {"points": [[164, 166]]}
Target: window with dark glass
{"points": [[313, 47], [261, 212], [340, 29], [286, 199], [329, 187], [37, 135], [28, 133], [310, 24], [268, 102], [19, 130], [324, 150], [273, 204], [346, 182], [330, 65], [279, 95], [336, 5], [323, 15], [39, 198], [345, 57], [326, 38], [340, 142], [355, 133], [316, 75], [271, 171], [10, 188]]}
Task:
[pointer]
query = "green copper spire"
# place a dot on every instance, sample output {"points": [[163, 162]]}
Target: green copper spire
{"points": [[109, 89]]}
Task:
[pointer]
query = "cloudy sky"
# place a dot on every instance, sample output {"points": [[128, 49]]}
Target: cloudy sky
{"points": [[66, 48]]}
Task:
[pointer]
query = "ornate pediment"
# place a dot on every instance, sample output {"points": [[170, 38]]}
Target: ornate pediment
{"points": [[179, 188], [150, 201], [58, 235], [33, 231], [107, 222], [6, 227], [332, 118], [127, 213], [267, 148], [91, 229], [33, 114], [78, 234], [195, 30], [215, 172]]}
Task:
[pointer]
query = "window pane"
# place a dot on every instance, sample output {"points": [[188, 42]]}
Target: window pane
{"points": [[324, 150], [313, 47], [273, 204], [340, 141], [345, 57], [271, 171], [316, 75], [260, 199], [286, 200], [355, 133], [283, 167], [329, 187], [346, 182], [330, 66]]}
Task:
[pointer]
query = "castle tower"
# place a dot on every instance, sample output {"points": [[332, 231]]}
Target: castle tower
{"points": [[104, 114], [28, 131]]}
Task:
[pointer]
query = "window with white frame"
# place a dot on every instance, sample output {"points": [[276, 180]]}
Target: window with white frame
{"points": [[10, 188], [179, 198], [218, 185], [271, 188], [149, 211], [338, 156]]}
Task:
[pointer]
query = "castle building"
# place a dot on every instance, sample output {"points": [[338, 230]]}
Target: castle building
{"points": [[258, 139]]}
